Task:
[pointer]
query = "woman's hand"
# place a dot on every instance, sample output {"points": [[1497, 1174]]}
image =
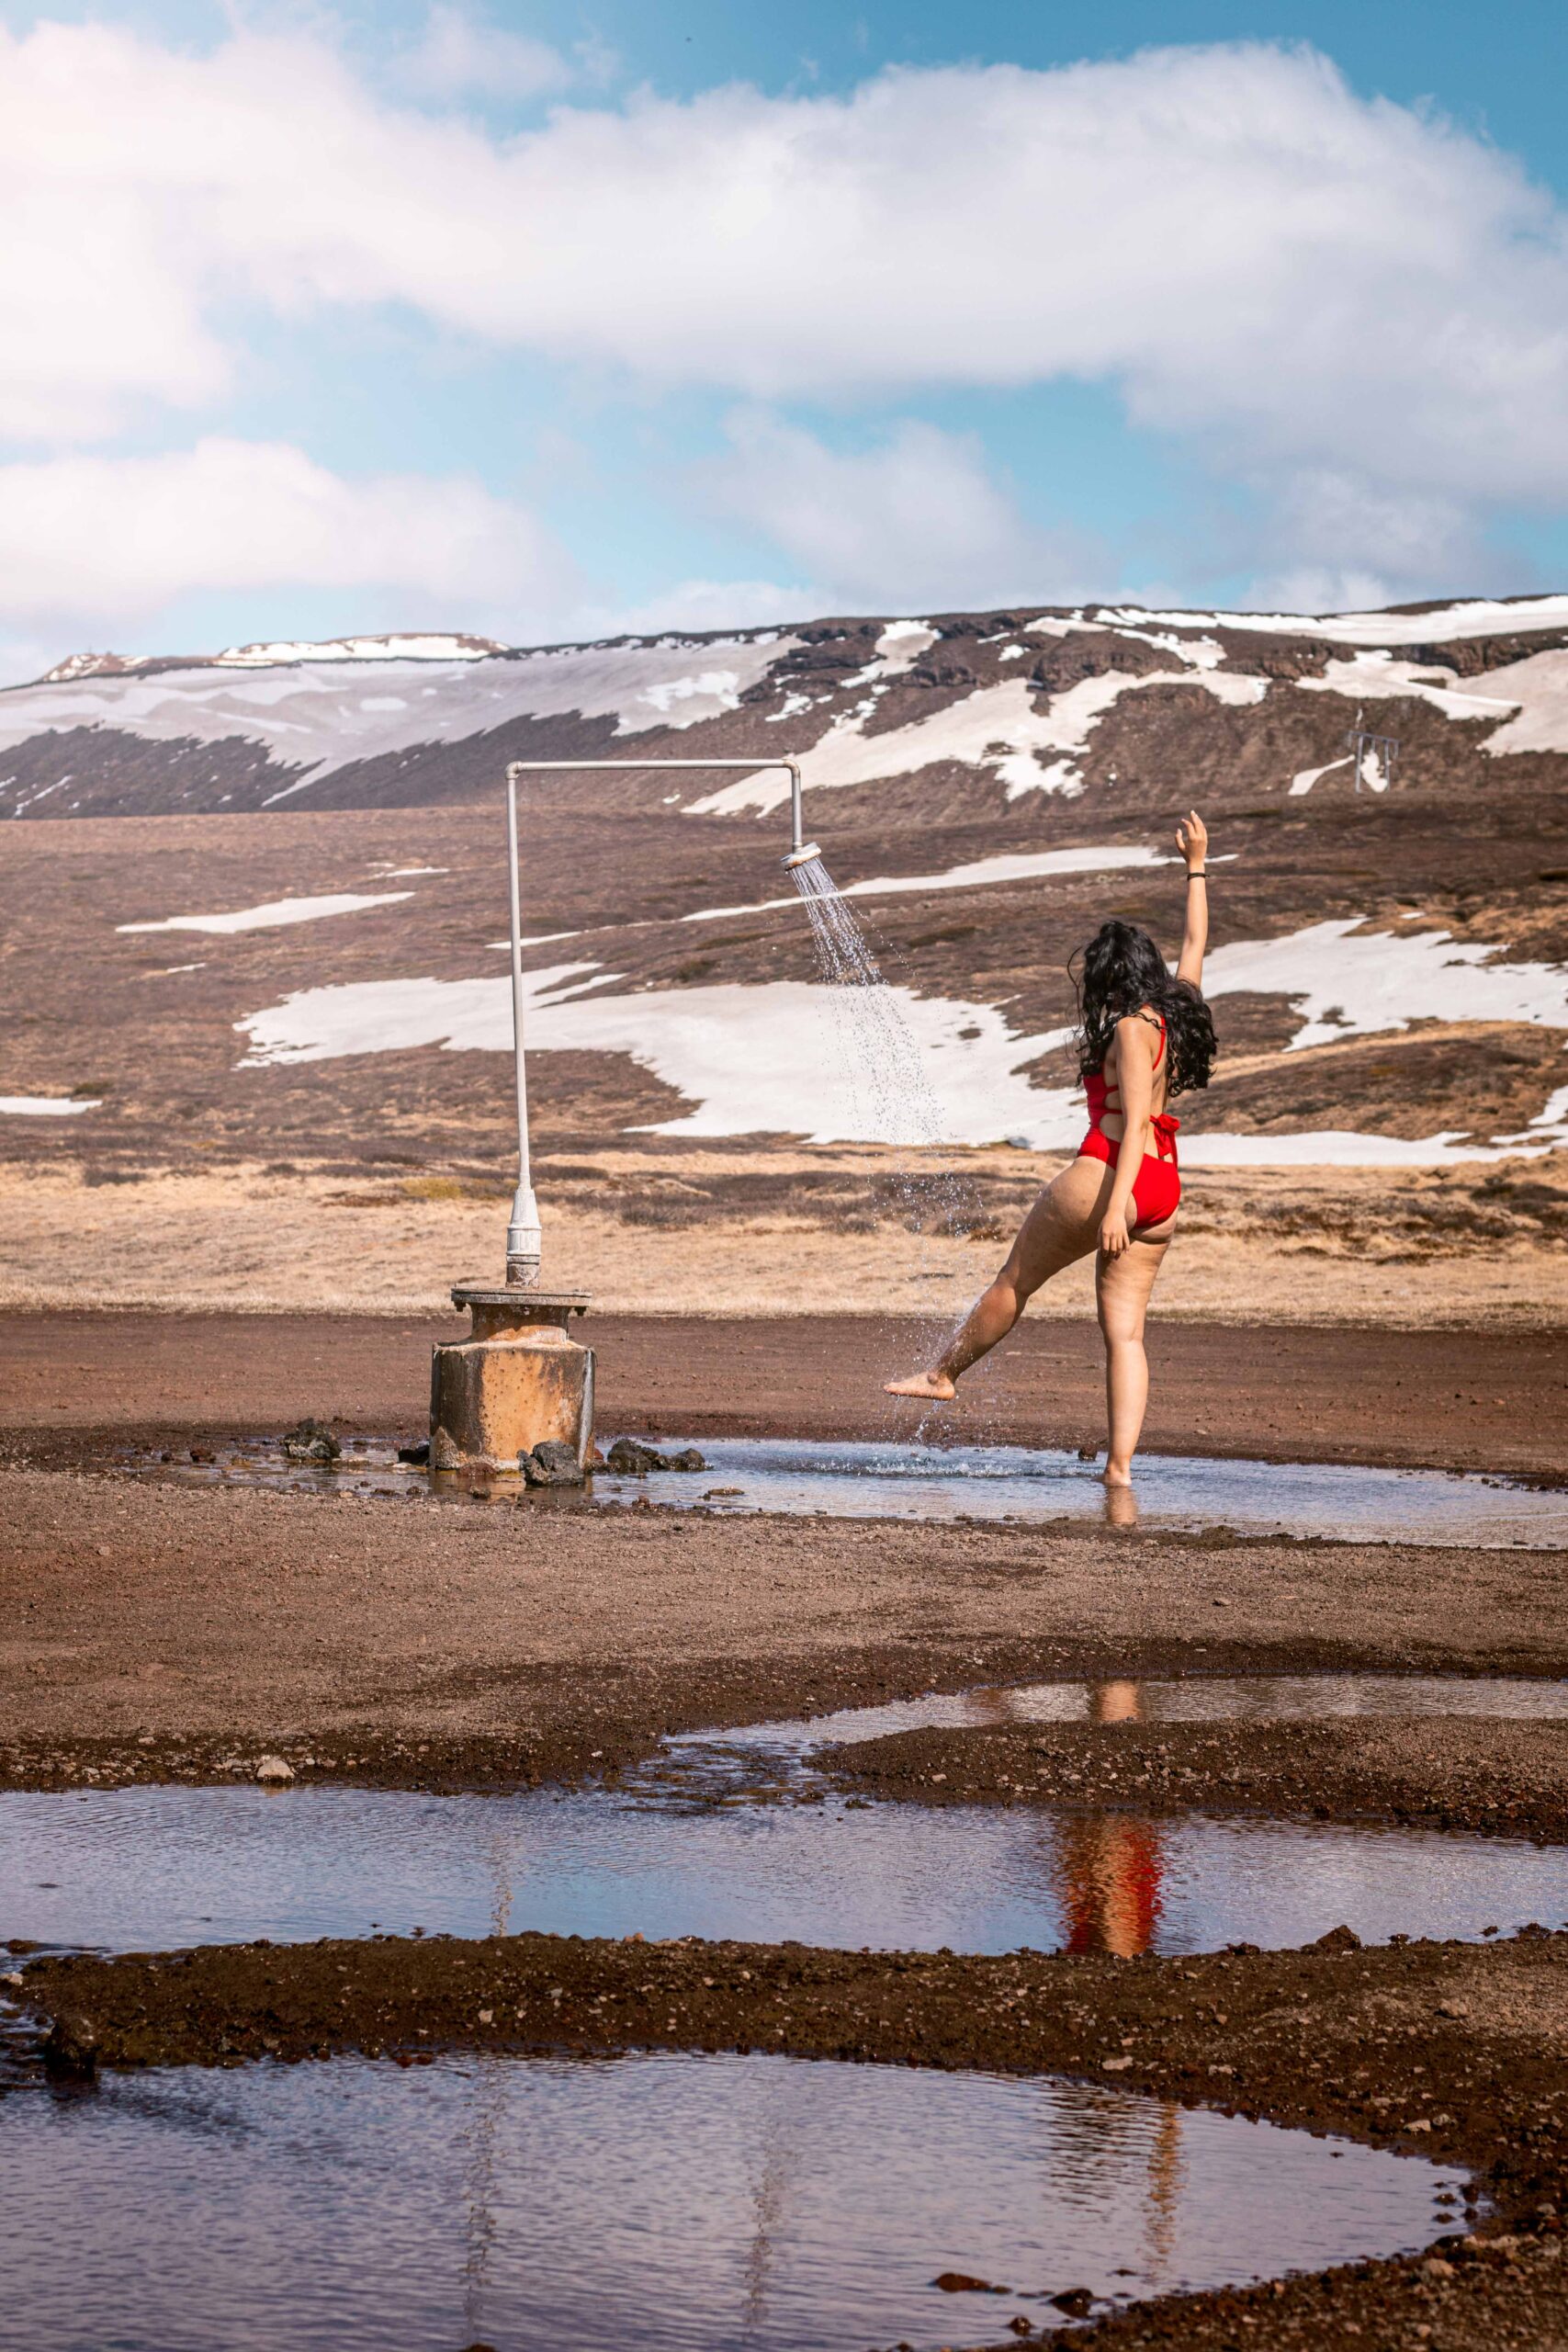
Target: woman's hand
{"points": [[1114, 1234], [1193, 839]]}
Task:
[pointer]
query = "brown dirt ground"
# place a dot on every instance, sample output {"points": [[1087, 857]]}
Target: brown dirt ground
{"points": [[73, 1385], [1499, 1779]]}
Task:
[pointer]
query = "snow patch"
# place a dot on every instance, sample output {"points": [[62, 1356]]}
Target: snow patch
{"points": [[47, 1106], [750, 1060], [1303, 783], [398, 647], [1538, 686], [717, 689], [1549, 1126], [1018, 866], [1002, 727], [274, 913], [1351, 983], [1480, 617], [898, 648], [319, 713], [1371, 678], [1341, 1148], [759, 1059]]}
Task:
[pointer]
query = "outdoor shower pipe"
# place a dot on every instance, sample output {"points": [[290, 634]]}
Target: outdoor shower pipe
{"points": [[524, 1246], [524, 1243]]}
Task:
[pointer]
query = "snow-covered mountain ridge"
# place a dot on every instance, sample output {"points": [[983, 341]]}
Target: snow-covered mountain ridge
{"points": [[968, 714]]}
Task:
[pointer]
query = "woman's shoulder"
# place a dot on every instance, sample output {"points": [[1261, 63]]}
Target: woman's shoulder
{"points": [[1145, 1020]]}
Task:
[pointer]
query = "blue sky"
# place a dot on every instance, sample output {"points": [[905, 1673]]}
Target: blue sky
{"points": [[546, 321]]}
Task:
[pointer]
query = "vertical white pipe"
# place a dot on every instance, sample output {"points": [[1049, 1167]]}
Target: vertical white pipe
{"points": [[523, 1238]]}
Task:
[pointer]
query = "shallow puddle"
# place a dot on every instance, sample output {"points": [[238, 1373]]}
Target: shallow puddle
{"points": [[963, 1481], [682, 1848], [697, 2203], [155, 1868], [1195, 1699]]}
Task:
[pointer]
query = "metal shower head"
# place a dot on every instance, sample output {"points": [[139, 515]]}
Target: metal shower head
{"points": [[803, 855]]}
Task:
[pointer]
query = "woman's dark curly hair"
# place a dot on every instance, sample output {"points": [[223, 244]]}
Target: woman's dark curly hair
{"points": [[1123, 971]]}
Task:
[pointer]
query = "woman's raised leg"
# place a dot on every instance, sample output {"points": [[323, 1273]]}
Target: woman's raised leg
{"points": [[1122, 1292], [1061, 1228]]}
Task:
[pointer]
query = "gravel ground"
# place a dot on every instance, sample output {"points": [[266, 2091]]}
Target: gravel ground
{"points": [[1500, 1779]]}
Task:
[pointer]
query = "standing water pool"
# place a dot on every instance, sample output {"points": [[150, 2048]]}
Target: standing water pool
{"points": [[680, 2203], [681, 1849], [873, 1480]]}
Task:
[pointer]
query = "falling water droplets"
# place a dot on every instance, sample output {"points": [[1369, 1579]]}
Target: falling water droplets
{"points": [[885, 1073]]}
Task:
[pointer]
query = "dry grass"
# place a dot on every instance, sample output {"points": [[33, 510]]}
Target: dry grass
{"points": [[799, 1232]]}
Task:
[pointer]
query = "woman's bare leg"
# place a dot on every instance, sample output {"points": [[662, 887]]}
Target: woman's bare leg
{"points": [[1061, 1228], [1122, 1292]]}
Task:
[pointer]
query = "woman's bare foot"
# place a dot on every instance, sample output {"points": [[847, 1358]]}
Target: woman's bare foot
{"points": [[921, 1383], [1115, 1475]]}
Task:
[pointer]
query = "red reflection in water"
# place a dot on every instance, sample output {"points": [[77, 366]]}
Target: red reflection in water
{"points": [[1110, 1882], [1110, 1866]]}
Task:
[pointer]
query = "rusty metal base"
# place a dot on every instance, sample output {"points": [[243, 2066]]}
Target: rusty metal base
{"points": [[518, 1380]]}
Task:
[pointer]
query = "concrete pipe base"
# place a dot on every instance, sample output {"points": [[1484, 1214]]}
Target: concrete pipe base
{"points": [[519, 1379]]}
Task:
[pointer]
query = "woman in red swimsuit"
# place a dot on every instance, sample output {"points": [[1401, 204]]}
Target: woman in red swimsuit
{"points": [[1143, 1038]]}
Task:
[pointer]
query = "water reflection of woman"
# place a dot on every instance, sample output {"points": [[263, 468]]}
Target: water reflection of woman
{"points": [[1111, 1868], [1143, 1038]]}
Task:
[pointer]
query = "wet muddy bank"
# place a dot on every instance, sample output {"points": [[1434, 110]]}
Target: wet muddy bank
{"points": [[590, 1728], [152, 1630], [1502, 2293], [1443, 2050], [1475, 1398], [1494, 1777]]}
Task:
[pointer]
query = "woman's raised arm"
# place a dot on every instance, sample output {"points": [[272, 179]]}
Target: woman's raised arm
{"points": [[1192, 840]]}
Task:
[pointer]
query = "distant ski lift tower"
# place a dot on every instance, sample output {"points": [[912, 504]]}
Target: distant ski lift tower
{"points": [[1374, 756]]}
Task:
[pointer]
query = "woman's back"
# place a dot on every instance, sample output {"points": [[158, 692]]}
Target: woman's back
{"points": [[1103, 1085]]}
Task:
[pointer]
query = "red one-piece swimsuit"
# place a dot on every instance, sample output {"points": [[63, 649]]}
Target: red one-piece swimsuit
{"points": [[1158, 1188]]}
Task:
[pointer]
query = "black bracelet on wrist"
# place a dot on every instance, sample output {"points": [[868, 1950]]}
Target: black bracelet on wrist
{"points": [[1197, 874]]}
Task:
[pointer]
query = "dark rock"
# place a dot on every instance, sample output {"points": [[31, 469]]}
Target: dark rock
{"points": [[71, 2049], [635, 1460], [1338, 1940], [416, 1456], [958, 2282], [1088, 1453], [310, 1442], [690, 1459], [551, 1464], [1077, 2302]]}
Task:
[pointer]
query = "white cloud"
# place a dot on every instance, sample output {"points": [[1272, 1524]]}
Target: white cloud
{"points": [[693, 606], [89, 537], [917, 519], [458, 55], [1336, 542], [1251, 251]]}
